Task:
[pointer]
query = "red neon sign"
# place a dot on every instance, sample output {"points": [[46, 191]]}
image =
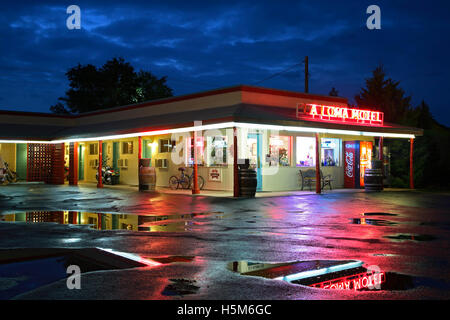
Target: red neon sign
{"points": [[353, 282], [341, 114]]}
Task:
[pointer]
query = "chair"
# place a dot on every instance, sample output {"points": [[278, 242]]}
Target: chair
{"points": [[326, 180], [308, 177]]}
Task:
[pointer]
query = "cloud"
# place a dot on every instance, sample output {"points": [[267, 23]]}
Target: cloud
{"points": [[201, 45]]}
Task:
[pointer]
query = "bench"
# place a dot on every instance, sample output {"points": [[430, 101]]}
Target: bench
{"points": [[308, 178]]}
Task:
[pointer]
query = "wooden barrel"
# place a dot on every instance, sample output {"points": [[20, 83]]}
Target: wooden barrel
{"points": [[373, 178], [247, 182], [147, 176]]}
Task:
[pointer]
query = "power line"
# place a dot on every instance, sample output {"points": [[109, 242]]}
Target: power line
{"points": [[278, 73]]}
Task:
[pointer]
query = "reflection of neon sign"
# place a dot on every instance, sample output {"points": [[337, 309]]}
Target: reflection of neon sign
{"points": [[354, 282], [342, 114]]}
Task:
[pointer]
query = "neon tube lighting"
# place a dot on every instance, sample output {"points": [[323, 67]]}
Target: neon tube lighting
{"points": [[133, 257], [223, 125], [319, 272]]}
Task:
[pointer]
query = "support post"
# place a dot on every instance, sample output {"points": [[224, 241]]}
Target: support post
{"points": [[139, 148], [306, 75], [100, 164], [380, 147], [73, 164], [318, 186], [235, 164], [411, 168], [195, 189]]}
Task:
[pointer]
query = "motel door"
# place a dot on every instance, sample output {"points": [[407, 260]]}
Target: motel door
{"points": [[21, 161], [81, 162], [254, 145], [116, 155], [147, 150]]}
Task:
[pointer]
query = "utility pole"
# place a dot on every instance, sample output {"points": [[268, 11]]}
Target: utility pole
{"points": [[306, 75]]}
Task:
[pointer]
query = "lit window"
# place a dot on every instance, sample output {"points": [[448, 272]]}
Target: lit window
{"points": [[93, 148], [280, 150], [190, 153], [216, 150], [166, 145], [127, 147], [330, 151], [306, 152]]}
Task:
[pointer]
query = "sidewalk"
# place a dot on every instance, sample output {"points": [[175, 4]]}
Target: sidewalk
{"points": [[229, 194]]}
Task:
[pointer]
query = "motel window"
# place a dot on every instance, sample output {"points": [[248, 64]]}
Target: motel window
{"points": [[216, 150], [93, 148], [127, 147], [190, 151], [280, 150], [330, 151], [306, 152], [166, 145]]}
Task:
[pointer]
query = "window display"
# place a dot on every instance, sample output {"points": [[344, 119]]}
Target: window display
{"points": [[280, 151], [216, 150], [306, 152], [330, 151], [200, 151]]}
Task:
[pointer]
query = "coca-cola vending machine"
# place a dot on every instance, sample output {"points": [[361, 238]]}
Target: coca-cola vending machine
{"points": [[357, 158]]}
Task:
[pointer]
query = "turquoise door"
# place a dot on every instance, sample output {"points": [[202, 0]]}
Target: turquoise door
{"points": [[104, 152], [80, 162], [115, 159], [21, 161], [254, 141], [147, 150]]}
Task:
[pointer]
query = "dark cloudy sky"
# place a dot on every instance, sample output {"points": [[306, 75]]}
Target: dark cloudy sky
{"points": [[202, 45]]}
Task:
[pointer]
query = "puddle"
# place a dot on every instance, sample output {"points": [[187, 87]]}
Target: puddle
{"points": [[335, 275], [180, 287], [172, 259], [378, 214], [22, 270], [373, 222], [113, 221], [412, 237]]}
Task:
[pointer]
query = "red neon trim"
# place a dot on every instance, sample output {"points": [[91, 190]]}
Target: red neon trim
{"points": [[340, 114]]}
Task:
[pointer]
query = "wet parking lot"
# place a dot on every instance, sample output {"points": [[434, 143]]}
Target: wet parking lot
{"points": [[190, 242]]}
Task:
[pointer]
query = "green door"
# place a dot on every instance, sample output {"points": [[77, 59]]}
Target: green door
{"points": [[104, 152], [116, 155], [147, 152], [81, 162], [21, 161]]}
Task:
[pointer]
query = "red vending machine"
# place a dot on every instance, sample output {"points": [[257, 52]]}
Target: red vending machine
{"points": [[357, 158]]}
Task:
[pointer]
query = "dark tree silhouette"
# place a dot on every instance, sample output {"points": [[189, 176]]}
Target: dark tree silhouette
{"points": [[333, 92], [114, 84], [384, 95]]}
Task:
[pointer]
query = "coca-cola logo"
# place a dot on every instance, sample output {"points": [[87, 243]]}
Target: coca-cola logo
{"points": [[349, 164]]}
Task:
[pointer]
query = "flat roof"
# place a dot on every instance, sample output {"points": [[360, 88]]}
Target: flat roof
{"points": [[246, 104]]}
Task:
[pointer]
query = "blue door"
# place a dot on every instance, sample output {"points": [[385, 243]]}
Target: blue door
{"points": [[254, 141]]}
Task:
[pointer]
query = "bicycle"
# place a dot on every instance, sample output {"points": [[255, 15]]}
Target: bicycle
{"points": [[185, 181]]}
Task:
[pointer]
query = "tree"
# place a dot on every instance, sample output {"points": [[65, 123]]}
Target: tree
{"points": [[384, 95], [114, 84], [333, 92], [431, 152]]}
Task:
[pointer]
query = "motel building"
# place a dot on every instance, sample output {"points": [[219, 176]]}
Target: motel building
{"points": [[280, 132]]}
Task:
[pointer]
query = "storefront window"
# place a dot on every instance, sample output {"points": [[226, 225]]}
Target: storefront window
{"points": [[216, 150], [200, 151], [280, 150], [330, 151], [306, 152]]}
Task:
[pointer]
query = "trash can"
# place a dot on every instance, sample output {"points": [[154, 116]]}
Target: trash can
{"points": [[147, 175], [247, 180], [373, 178]]}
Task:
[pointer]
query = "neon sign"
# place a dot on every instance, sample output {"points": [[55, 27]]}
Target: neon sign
{"points": [[340, 114], [354, 282]]}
